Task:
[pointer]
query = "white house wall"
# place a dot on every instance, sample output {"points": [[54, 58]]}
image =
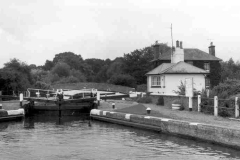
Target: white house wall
{"points": [[172, 81]]}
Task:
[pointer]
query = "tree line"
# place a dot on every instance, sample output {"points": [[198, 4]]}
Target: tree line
{"points": [[68, 67]]}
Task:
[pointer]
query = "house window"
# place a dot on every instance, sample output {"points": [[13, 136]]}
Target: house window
{"points": [[156, 81], [207, 82], [207, 66], [190, 62]]}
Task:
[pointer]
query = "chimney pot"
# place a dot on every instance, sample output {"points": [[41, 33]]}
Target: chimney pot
{"points": [[177, 44]]}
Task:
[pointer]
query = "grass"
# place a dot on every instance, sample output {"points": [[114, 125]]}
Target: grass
{"points": [[98, 86]]}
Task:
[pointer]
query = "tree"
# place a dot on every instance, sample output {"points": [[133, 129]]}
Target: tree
{"points": [[48, 65], [138, 63], [61, 69]]}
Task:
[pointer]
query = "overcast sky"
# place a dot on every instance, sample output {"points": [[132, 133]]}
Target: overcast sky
{"points": [[35, 30]]}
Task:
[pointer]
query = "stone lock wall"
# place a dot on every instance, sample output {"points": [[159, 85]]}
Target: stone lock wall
{"points": [[216, 134]]}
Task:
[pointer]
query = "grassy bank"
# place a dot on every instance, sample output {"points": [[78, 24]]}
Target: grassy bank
{"points": [[98, 86]]}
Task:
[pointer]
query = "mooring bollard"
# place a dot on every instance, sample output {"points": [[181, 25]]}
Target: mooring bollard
{"points": [[0, 106], [215, 106], [113, 105], [21, 99], [148, 110]]}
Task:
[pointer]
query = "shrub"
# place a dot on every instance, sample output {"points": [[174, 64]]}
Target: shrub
{"points": [[160, 101], [207, 106], [145, 100]]}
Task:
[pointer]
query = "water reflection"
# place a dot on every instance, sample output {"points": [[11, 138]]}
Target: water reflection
{"points": [[54, 137]]}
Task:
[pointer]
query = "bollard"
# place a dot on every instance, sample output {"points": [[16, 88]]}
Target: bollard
{"points": [[236, 108], [215, 106], [21, 99], [148, 110], [113, 105], [0, 95], [0, 106], [199, 102]]}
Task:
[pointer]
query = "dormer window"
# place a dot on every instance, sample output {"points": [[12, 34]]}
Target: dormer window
{"points": [[207, 66]]}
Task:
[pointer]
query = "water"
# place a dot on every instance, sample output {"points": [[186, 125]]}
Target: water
{"points": [[74, 138]]}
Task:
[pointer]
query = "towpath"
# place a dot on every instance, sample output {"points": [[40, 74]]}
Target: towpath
{"points": [[166, 112]]}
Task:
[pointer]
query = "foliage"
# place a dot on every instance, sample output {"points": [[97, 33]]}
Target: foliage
{"points": [[228, 88], [207, 106], [138, 63], [61, 69], [160, 101], [230, 70], [146, 99], [15, 75], [182, 90], [122, 79]]}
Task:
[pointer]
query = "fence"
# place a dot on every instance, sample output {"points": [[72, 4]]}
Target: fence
{"points": [[219, 107]]}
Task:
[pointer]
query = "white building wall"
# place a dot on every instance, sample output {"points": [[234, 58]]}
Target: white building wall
{"points": [[172, 81]]}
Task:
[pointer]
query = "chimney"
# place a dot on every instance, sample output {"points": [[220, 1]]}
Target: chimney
{"points": [[177, 44], [212, 49], [178, 53], [181, 44], [156, 50]]}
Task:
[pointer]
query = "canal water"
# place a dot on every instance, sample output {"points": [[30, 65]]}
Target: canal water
{"points": [[75, 138]]}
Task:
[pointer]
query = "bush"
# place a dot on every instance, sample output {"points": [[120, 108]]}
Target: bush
{"points": [[144, 100], [207, 106], [160, 101]]}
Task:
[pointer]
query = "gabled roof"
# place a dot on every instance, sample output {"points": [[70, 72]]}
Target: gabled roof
{"points": [[176, 68], [191, 54]]}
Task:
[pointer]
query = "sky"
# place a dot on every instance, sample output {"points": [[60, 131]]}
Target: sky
{"points": [[33, 31]]}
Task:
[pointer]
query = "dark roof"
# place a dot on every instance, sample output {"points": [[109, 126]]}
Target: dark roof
{"points": [[191, 54], [176, 68]]}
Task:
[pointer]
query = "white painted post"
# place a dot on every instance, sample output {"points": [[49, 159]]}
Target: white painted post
{"points": [[21, 99], [199, 102], [190, 103], [0, 106], [236, 108], [98, 98], [215, 106], [0, 95]]}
